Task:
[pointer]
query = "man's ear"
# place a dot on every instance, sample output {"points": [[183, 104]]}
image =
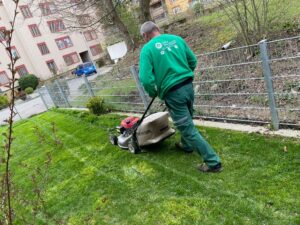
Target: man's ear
{"points": [[144, 35]]}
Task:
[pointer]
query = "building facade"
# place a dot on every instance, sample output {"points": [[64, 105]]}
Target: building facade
{"points": [[158, 11], [43, 43], [162, 10], [177, 6]]}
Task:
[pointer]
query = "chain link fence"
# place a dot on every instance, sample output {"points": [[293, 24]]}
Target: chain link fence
{"points": [[258, 83], [253, 84], [117, 87]]}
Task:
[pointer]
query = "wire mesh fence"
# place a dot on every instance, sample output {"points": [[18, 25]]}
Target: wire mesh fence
{"points": [[230, 85], [257, 84], [117, 87]]}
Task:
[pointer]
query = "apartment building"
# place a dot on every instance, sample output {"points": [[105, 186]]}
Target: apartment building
{"points": [[177, 6], [158, 10], [161, 10], [42, 41]]}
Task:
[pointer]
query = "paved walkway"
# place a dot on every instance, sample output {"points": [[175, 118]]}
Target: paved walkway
{"points": [[30, 107], [24, 109]]}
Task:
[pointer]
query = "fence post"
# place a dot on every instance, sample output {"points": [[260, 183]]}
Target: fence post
{"points": [[17, 112], [50, 94], [269, 83], [43, 100], [62, 93], [135, 73], [88, 85]]}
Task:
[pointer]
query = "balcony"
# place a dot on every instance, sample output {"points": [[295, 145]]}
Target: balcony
{"points": [[153, 2], [157, 11]]}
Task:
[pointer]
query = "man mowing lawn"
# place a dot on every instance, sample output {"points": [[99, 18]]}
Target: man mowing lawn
{"points": [[166, 70]]}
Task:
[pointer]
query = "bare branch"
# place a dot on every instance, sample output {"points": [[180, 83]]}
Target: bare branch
{"points": [[9, 135]]}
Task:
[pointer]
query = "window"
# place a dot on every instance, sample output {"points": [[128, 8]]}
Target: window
{"points": [[56, 26], [176, 10], [52, 66], [84, 19], [25, 11], [96, 49], [71, 58], [3, 78], [2, 34], [43, 48], [90, 35], [48, 8], [14, 52], [34, 30], [21, 70], [64, 42]]}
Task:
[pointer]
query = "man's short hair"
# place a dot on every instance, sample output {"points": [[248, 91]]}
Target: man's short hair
{"points": [[148, 27]]}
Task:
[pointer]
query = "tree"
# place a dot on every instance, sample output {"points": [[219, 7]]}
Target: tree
{"points": [[249, 17], [198, 9], [129, 15], [111, 8], [145, 14], [6, 209], [79, 15]]}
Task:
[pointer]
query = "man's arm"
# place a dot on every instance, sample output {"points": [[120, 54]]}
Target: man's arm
{"points": [[191, 58], [146, 74]]}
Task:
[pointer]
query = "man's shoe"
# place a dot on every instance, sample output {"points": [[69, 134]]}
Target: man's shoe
{"points": [[179, 146], [215, 169]]}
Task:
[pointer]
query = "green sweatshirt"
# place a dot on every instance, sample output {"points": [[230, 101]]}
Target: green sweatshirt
{"points": [[165, 61]]}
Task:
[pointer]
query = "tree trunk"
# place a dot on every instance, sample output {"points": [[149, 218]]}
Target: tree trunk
{"points": [[119, 24], [145, 11]]}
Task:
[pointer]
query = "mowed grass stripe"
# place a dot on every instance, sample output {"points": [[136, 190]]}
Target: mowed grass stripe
{"points": [[197, 174], [91, 179]]}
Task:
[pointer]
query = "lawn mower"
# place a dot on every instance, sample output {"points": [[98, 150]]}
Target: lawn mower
{"points": [[137, 133]]}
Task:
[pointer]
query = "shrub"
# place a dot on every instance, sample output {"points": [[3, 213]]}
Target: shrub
{"points": [[29, 90], [28, 80], [3, 101], [198, 9], [100, 63], [97, 106]]}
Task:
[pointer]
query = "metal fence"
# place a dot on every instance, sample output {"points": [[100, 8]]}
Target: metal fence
{"points": [[257, 84], [117, 87]]}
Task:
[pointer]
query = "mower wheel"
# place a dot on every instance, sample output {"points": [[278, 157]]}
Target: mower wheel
{"points": [[133, 147], [113, 139]]}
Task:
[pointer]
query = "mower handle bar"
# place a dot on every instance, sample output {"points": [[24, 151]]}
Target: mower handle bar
{"points": [[147, 109], [141, 120]]}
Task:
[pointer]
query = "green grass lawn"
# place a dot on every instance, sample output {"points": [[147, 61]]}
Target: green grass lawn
{"points": [[92, 182]]}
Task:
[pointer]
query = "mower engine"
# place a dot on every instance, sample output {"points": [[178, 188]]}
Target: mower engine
{"points": [[126, 130]]}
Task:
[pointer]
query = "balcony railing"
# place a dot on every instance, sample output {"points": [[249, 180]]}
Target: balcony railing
{"points": [[157, 11], [153, 2]]}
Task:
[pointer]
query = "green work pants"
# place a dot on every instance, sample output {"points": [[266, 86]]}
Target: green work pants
{"points": [[180, 104]]}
